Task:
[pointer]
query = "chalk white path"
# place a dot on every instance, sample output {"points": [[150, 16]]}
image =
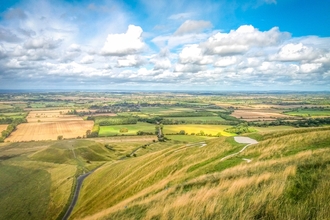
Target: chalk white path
{"points": [[241, 140]]}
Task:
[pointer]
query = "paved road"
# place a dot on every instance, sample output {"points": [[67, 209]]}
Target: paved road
{"points": [[80, 180]]}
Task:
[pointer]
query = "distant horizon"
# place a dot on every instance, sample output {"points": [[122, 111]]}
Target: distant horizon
{"points": [[160, 91]]}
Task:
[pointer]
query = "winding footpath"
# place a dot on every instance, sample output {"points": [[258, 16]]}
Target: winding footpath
{"points": [[241, 140]]}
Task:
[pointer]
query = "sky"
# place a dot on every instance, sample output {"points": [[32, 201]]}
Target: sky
{"points": [[209, 45]]}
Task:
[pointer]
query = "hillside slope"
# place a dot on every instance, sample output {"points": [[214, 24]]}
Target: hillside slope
{"points": [[286, 179]]}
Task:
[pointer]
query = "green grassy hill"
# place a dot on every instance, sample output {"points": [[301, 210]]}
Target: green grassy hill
{"points": [[37, 178], [288, 178]]}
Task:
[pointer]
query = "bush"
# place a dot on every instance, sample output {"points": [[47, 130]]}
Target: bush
{"points": [[123, 130]]}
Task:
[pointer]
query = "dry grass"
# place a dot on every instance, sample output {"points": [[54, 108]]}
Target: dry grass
{"points": [[50, 130], [3, 127], [158, 186], [51, 116]]}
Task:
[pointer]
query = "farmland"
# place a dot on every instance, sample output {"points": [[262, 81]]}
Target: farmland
{"points": [[314, 112], [194, 166], [50, 130], [132, 129], [253, 115], [51, 116]]}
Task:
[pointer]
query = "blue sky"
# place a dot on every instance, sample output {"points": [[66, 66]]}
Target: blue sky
{"points": [[165, 45]]}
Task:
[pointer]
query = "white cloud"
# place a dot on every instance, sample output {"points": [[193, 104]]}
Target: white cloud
{"points": [[310, 67], [171, 41], [130, 61], [74, 48], [191, 26], [162, 64], [295, 52], [124, 44], [87, 59], [241, 40], [190, 68], [194, 54], [226, 61]]}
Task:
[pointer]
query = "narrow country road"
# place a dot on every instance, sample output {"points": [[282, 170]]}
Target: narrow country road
{"points": [[80, 180]]}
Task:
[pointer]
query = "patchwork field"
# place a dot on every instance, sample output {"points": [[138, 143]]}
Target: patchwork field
{"points": [[253, 115], [51, 116], [50, 130]]}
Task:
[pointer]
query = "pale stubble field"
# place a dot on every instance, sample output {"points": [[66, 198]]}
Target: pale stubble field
{"points": [[51, 125]]}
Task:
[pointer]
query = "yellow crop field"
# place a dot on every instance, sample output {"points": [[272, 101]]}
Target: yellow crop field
{"points": [[50, 130], [207, 129], [51, 116]]}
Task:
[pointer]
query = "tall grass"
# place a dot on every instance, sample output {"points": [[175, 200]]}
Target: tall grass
{"points": [[287, 179]]}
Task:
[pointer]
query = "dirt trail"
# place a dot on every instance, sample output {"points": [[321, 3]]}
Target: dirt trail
{"points": [[241, 140]]}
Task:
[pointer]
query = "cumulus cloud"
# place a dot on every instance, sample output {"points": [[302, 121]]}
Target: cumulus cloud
{"points": [[41, 42], [241, 40], [8, 36], [87, 60], [191, 26], [194, 54], [226, 61], [123, 44], [130, 61], [295, 52], [162, 64], [190, 68], [310, 67]]}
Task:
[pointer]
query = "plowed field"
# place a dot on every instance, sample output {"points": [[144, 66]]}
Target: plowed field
{"points": [[50, 130]]}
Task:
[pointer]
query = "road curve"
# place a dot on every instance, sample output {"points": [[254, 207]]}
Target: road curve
{"points": [[80, 180]]}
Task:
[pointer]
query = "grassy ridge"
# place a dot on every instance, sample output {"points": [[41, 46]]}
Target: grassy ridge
{"points": [[37, 177], [287, 176]]}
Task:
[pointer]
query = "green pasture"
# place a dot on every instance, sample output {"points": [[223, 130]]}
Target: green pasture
{"points": [[132, 129], [309, 112]]}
